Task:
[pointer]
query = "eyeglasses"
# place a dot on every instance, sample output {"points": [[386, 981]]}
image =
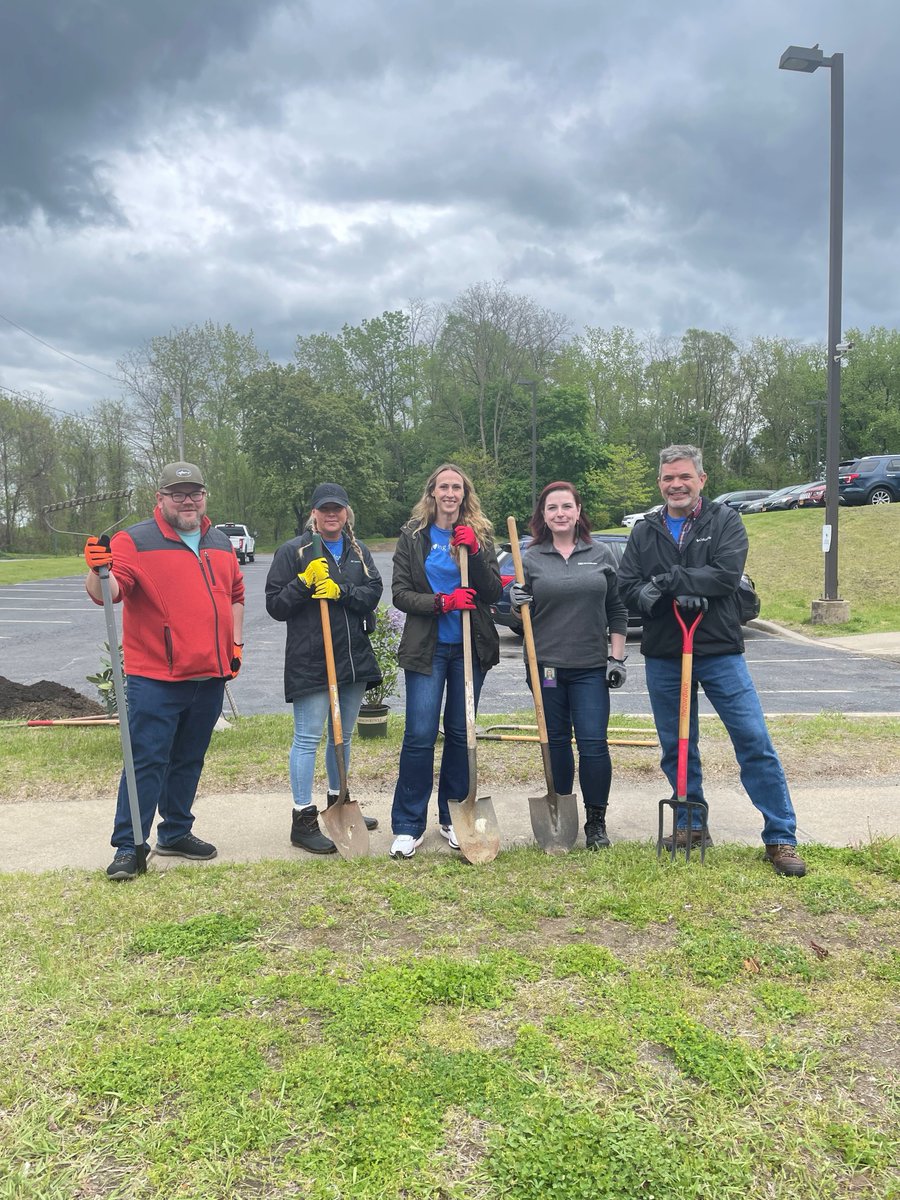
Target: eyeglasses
{"points": [[183, 497]]}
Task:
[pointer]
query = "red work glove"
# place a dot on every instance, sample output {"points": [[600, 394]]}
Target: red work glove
{"points": [[459, 600], [237, 658], [97, 553], [464, 535]]}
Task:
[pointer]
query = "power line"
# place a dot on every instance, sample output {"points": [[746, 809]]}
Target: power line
{"points": [[34, 400], [78, 361]]}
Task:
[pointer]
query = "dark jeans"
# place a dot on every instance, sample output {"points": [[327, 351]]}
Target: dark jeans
{"points": [[171, 725], [727, 685], [424, 695], [580, 700]]}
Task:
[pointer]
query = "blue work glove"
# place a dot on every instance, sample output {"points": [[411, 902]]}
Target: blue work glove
{"points": [[692, 604], [616, 674], [519, 595]]}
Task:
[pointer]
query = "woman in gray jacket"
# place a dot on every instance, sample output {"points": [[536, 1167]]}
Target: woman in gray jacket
{"points": [[427, 587], [576, 614]]}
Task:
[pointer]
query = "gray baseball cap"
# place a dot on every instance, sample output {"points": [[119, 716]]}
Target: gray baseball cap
{"points": [[180, 472]]}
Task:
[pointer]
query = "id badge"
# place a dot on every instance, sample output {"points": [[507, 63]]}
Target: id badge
{"points": [[549, 677]]}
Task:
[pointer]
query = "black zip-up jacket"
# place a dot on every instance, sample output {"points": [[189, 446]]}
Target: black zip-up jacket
{"points": [[289, 599], [413, 594], [709, 563]]}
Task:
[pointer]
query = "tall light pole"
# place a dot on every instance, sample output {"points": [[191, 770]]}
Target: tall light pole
{"points": [[531, 384], [830, 609]]}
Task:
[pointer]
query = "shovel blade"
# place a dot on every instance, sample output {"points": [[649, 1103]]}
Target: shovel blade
{"points": [[345, 826], [476, 828], [554, 822]]}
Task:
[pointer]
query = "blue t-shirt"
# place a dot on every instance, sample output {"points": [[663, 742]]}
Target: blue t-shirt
{"points": [[443, 575], [191, 539], [675, 526], [335, 549]]}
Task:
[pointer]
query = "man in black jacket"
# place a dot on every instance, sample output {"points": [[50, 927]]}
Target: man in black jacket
{"points": [[693, 552]]}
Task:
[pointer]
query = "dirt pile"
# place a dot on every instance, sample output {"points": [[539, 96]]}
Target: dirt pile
{"points": [[42, 701]]}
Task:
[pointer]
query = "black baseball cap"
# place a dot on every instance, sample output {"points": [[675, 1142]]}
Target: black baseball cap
{"points": [[329, 493]]}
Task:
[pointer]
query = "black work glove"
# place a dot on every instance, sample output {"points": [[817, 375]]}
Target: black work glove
{"points": [[647, 597], [616, 674], [692, 604]]}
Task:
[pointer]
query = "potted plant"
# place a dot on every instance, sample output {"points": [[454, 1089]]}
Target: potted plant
{"points": [[385, 637]]}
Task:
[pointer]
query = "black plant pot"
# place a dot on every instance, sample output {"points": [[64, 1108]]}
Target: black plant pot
{"points": [[372, 721]]}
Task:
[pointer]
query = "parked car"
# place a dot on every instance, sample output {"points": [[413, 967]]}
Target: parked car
{"points": [[242, 539], [812, 496], [874, 479], [615, 543], [785, 498], [736, 499], [631, 519]]}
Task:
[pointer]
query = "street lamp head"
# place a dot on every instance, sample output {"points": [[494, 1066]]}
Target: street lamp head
{"points": [[803, 58], [527, 382]]}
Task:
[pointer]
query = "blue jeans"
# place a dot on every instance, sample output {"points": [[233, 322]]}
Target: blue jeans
{"points": [[424, 695], [728, 687], [310, 714], [580, 700], [170, 726]]}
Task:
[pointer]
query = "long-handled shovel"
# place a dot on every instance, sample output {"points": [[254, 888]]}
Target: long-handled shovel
{"points": [[112, 638], [474, 820], [343, 820], [554, 817], [684, 727]]}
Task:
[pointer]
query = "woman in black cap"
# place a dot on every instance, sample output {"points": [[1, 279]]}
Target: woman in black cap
{"points": [[346, 576]]}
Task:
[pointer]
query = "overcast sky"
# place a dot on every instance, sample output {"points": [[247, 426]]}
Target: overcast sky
{"points": [[287, 167]]}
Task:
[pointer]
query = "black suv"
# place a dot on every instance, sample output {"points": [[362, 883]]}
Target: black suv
{"points": [[871, 480], [615, 544]]}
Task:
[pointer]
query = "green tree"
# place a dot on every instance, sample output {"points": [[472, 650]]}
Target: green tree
{"points": [[621, 485], [298, 435]]}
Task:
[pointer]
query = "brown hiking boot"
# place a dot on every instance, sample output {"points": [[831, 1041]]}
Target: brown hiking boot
{"points": [[785, 860], [681, 837]]}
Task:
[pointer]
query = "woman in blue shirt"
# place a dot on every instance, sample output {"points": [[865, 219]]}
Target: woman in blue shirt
{"points": [[427, 587]]}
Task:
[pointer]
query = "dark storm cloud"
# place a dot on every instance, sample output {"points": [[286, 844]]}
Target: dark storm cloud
{"points": [[289, 167], [74, 78]]}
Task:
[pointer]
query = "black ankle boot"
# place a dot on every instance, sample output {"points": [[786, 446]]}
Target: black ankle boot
{"points": [[331, 798], [595, 829], [306, 834]]}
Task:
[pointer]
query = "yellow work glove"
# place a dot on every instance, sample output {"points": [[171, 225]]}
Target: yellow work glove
{"points": [[327, 589], [317, 569]]}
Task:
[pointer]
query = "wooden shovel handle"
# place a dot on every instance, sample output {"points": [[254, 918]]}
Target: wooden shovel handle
{"points": [[331, 672], [525, 613], [468, 672]]}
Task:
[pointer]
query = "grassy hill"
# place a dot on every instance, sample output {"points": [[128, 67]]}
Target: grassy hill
{"points": [[788, 566]]}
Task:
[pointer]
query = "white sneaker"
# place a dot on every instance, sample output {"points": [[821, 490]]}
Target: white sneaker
{"points": [[405, 845], [448, 832]]}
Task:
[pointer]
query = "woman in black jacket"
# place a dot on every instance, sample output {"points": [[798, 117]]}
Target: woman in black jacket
{"points": [[427, 587], [346, 576]]}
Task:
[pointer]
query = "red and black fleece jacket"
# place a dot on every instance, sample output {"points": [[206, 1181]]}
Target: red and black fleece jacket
{"points": [[177, 620]]}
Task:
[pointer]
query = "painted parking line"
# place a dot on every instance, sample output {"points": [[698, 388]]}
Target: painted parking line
{"points": [[43, 621]]}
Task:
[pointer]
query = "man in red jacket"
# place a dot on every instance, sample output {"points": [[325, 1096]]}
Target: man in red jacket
{"points": [[182, 638]]}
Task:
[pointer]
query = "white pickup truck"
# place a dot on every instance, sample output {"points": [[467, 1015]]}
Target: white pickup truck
{"points": [[243, 541]]}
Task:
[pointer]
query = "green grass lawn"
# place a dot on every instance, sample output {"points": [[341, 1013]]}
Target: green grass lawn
{"points": [[594, 1026]]}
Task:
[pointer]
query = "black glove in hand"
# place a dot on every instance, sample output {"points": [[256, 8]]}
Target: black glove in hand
{"points": [[519, 594], [647, 597], [692, 604], [616, 674]]}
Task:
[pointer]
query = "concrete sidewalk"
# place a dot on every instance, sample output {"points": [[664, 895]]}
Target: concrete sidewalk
{"points": [[879, 645], [249, 827]]}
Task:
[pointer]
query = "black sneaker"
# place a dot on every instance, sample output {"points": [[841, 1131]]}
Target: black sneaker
{"points": [[123, 867], [306, 834], [331, 798], [188, 847]]}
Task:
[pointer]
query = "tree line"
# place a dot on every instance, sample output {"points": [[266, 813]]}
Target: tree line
{"points": [[485, 381]]}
